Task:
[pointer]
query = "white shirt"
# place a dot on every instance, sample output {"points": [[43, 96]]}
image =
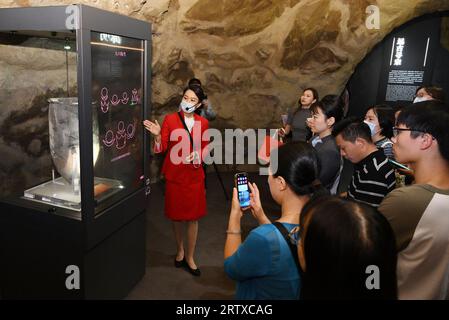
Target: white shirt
{"points": [[189, 123]]}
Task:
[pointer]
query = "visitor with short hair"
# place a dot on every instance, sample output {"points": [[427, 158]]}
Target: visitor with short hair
{"points": [[373, 177], [419, 214]]}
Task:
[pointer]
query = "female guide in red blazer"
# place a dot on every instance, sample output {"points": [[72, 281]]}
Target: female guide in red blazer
{"points": [[185, 195]]}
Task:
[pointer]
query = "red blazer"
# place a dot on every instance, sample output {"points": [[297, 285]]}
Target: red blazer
{"points": [[185, 173]]}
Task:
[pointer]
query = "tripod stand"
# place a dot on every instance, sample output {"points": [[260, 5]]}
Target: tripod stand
{"points": [[198, 112], [221, 181]]}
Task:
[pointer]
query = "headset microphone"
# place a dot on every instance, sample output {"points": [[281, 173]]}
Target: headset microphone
{"points": [[192, 107]]}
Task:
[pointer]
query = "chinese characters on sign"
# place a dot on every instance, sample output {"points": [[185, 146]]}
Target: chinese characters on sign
{"points": [[400, 44]]}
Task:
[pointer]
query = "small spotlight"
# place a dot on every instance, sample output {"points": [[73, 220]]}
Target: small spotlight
{"points": [[67, 46]]}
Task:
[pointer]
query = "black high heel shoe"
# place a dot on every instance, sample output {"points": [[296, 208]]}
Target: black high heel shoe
{"points": [[196, 272], [179, 264]]}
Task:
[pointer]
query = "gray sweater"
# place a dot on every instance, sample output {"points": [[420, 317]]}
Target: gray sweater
{"points": [[329, 155]]}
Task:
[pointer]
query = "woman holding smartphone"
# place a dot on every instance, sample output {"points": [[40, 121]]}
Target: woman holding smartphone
{"points": [[185, 196], [264, 264], [297, 118]]}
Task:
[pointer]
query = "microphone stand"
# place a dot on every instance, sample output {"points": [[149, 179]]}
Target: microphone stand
{"points": [[221, 181]]}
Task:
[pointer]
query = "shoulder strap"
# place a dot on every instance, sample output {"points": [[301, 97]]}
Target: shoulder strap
{"points": [[185, 127], [190, 136], [294, 250], [385, 143]]}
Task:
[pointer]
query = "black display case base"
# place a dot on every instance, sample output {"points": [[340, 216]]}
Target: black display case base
{"points": [[37, 251]]}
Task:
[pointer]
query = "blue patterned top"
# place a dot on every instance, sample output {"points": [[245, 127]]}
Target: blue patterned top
{"points": [[263, 266]]}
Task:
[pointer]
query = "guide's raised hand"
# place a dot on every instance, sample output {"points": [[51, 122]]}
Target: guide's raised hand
{"points": [[309, 122], [281, 132], [153, 127]]}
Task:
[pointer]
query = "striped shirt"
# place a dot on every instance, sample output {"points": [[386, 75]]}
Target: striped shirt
{"points": [[372, 180]]}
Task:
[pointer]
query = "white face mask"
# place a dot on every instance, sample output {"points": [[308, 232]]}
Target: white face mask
{"points": [[187, 107], [372, 128], [420, 99]]}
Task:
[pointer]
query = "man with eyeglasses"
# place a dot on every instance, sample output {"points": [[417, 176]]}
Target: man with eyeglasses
{"points": [[419, 214]]}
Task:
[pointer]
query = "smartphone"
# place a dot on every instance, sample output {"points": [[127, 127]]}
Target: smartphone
{"points": [[399, 165], [241, 183]]}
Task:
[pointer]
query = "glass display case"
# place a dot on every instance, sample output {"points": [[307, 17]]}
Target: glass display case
{"points": [[117, 81], [74, 93]]}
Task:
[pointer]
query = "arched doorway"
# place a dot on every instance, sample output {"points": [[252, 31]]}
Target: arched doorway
{"points": [[377, 80], [411, 55]]}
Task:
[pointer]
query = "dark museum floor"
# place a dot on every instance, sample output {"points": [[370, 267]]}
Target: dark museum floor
{"points": [[162, 280]]}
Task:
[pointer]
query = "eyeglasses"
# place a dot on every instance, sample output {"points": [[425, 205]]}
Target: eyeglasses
{"points": [[397, 130]]}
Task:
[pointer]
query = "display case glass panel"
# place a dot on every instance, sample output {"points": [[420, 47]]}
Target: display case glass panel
{"points": [[117, 83], [39, 117]]}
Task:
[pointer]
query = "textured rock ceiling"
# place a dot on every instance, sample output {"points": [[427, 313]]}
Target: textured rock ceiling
{"points": [[254, 56]]}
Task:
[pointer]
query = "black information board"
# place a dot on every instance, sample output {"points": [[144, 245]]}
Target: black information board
{"points": [[117, 83], [408, 60]]}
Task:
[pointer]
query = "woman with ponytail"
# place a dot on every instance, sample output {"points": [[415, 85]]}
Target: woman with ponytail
{"points": [[265, 264]]}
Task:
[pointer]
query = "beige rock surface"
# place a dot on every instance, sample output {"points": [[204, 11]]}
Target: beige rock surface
{"points": [[243, 49], [445, 33]]}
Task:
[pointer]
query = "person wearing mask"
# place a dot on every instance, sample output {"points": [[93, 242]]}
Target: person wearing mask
{"points": [[205, 110], [346, 251], [426, 93], [296, 123], [380, 120], [325, 114], [265, 264], [185, 197], [373, 177]]}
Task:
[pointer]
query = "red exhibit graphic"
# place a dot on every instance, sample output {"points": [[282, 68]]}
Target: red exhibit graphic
{"points": [[119, 136], [105, 102]]}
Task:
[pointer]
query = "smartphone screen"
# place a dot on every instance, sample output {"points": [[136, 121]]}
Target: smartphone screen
{"points": [[241, 183]]}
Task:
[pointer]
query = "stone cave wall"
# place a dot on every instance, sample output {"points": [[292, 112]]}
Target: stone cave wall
{"points": [[253, 57]]}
